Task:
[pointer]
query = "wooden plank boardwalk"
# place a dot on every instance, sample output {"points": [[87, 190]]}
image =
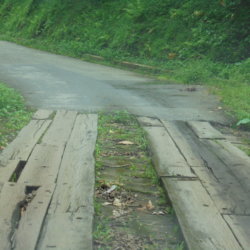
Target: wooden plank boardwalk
{"points": [[207, 179], [47, 180], [47, 183]]}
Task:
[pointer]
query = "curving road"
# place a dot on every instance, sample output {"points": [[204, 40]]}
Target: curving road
{"points": [[58, 82]]}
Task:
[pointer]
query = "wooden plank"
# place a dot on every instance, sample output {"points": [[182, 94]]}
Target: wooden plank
{"points": [[166, 155], [60, 129], [24, 143], [29, 228], [68, 231], [232, 154], [241, 228], [42, 114], [42, 166], [148, 121], [12, 194], [191, 156], [204, 130], [7, 171], [75, 188], [202, 225], [235, 160], [226, 192]]}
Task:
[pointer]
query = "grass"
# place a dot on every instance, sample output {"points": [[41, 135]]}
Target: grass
{"points": [[121, 126], [128, 166], [13, 114]]}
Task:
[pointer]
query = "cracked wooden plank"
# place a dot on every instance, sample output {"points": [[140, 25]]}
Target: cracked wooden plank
{"points": [[25, 141], [220, 176], [204, 130], [12, 194], [7, 171], [60, 129], [167, 158], [74, 193], [29, 227], [191, 156], [202, 224], [42, 166], [240, 226], [226, 192], [236, 161]]}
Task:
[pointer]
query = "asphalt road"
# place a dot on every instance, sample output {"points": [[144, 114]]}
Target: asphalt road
{"points": [[58, 82]]}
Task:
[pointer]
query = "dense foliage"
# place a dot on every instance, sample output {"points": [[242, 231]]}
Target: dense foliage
{"points": [[164, 29]]}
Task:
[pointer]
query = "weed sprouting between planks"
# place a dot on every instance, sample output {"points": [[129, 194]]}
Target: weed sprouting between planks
{"points": [[131, 208]]}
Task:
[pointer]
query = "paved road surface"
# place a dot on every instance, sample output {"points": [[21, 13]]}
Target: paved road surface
{"points": [[58, 82]]}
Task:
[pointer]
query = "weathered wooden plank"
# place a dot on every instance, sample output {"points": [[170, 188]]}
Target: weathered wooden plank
{"points": [[202, 225], [12, 194], [22, 146], [226, 192], [240, 226], [236, 161], [43, 165], [29, 228], [191, 156], [204, 130], [232, 154], [66, 231], [42, 114], [60, 129], [7, 171], [148, 121], [166, 155], [75, 189]]}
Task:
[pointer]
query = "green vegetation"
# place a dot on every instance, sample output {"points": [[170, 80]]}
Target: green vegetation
{"points": [[13, 114], [123, 143], [130, 205], [191, 41]]}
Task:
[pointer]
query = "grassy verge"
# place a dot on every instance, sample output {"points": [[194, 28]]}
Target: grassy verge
{"points": [[13, 114], [130, 205]]}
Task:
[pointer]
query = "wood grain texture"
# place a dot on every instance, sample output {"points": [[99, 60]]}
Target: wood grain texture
{"points": [[240, 226], [202, 224], [12, 194], [29, 228], [7, 171], [74, 193], [226, 192], [204, 130], [236, 161], [66, 231], [167, 158], [191, 156], [42, 114], [42, 166], [24, 143], [60, 129]]}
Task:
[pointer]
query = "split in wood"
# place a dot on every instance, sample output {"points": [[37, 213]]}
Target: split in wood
{"points": [[16, 174]]}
